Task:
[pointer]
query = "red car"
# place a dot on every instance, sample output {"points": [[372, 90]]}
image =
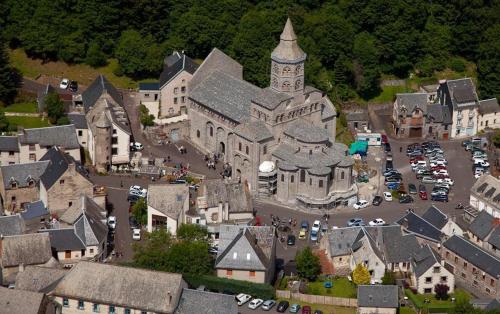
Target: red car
{"points": [[384, 139], [416, 158], [440, 176], [306, 309], [438, 168], [423, 195]]}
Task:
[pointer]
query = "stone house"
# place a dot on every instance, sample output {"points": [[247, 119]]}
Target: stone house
{"points": [[20, 185], [11, 225], [378, 299], [39, 278], [247, 126], [34, 143], [196, 301], [81, 127], [94, 287], [357, 120], [485, 195], [9, 150], [431, 91], [35, 216], [488, 110], [428, 270], [20, 301], [149, 96], [246, 253], [472, 266], [63, 181], [167, 206], [19, 251], [484, 231]]}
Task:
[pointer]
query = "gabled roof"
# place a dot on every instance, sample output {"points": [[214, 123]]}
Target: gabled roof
{"points": [[99, 86], [78, 120], [421, 227], [149, 86], [64, 239], [474, 255], [487, 187], [412, 101], [341, 240], [488, 106], [436, 217], [11, 225], [482, 225], [39, 279], [195, 301], [494, 238], [19, 301], [9, 144], [122, 286], [306, 132], [83, 206], [169, 199], [378, 296], [172, 68], [27, 249], [394, 245], [63, 136], [424, 260], [462, 92], [59, 162], [34, 210], [288, 49], [22, 174], [253, 131], [239, 198]]}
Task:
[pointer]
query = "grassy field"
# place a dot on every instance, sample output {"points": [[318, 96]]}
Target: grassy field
{"points": [[444, 305], [27, 122], [25, 107], [342, 288], [82, 73], [406, 310], [327, 309], [388, 93]]}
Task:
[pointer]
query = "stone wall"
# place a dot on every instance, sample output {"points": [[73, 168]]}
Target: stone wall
{"points": [[316, 299]]}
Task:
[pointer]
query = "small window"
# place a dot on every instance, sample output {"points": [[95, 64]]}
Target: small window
{"points": [[282, 178], [310, 181], [65, 302], [264, 149], [247, 150], [126, 311], [291, 179], [183, 99], [235, 255], [444, 279], [463, 275], [465, 264], [183, 89], [69, 204], [95, 308], [302, 175], [11, 153], [456, 260], [492, 282], [239, 146], [111, 309], [61, 182], [428, 279], [211, 131], [175, 100], [81, 305], [198, 133], [251, 273], [248, 256], [320, 183], [146, 95], [80, 132], [32, 147], [91, 251], [13, 198], [176, 90], [33, 157], [229, 272], [342, 175], [428, 290]]}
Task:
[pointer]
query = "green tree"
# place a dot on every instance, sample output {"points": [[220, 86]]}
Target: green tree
{"points": [[54, 107], [488, 63], [366, 65], [388, 278], [361, 275], [146, 118], [95, 56], [4, 122], [192, 232], [189, 257], [138, 55], [152, 253], [10, 79], [308, 264], [140, 211], [463, 306]]}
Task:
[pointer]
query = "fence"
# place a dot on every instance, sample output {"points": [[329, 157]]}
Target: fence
{"points": [[316, 299]]}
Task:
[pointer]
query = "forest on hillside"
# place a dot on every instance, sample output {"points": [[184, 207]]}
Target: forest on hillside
{"points": [[351, 44]]}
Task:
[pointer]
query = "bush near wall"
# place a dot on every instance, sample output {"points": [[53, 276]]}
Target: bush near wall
{"points": [[230, 286]]}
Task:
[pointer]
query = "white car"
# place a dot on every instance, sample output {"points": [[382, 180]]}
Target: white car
{"points": [[243, 298], [255, 303], [377, 222], [438, 160], [446, 181], [388, 196], [481, 163], [136, 234], [136, 146], [138, 188], [360, 204], [112, 222], [440, 171], [437, 163], [316, 226], [64, 83]]}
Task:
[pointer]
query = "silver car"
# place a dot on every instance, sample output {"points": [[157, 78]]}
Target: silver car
{"points": [[268, 305], [428, 180]]}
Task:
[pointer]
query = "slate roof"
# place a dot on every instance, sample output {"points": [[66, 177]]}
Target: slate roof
{"points": [[436, 217], [494, 238], [59, 162], [11, 225], [334, 155], [411, 101], [170, 70], [14, 301], [482, 225], [306, 132], [254, 131], [62, 135], [78, 120], [420, 227], [34, 210], [395, 246], [216, 61], [269, 98], [91, 227], [195, 301], [239, 198], [149, 86], [246, 247], [229, 96], [288, 48], [83, 206], [439, 113], [169, 199], [424, 260], [488, 106], [356, 115], [121, 286], [22, 173], [381, 296], [96, 89], [487, 187], [9, 144], [39, 279], [474, 255], [341, 240], [64, 239], [462, 92], [27, 249]]}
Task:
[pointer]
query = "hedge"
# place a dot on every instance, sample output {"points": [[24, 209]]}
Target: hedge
{"points": [[230, 286]]}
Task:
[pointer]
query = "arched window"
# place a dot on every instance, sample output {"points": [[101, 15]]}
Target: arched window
{"points": [[247, 149], [211, 131], [282, 177], [292, 178], [298, 84], [286, 86], [239, 146], [286, 70], [302, 175], [198, 133], [297, 69], [342, 175]]}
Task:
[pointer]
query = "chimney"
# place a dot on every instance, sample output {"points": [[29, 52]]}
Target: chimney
{"points": [[169, 297]]}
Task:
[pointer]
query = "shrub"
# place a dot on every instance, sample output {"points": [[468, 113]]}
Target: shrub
{"points": [[441, 291], [457, 65]]}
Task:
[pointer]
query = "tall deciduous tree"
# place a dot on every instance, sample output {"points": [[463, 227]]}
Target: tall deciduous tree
{"points": [[308, 264], [10, 79], [54, 107], [138, 55], [361, 275]]}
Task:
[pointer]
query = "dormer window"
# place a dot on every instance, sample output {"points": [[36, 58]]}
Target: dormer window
{"points": [[13, 184], [235, 255]]}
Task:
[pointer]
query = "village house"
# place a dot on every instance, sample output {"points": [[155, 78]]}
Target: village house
{"points": [[20, 185], [92, 288], [81, 127], [357, 120], [472, 266], [485, 195], [11, 225], [488, 119], [378, 299], [167, 206], [39, 278], [428, 270], [149, 96], [35, 216], [484, 231], [63, 181], [246, 253], [9, 150], [20, 301]]}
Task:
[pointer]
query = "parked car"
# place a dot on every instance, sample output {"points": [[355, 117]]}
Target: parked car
{"points": [[446, 180], [439, 198], [422, 192], [255, 303], [306, 309], [389, 164], [112, 222], [290, 239], [388, 196], [133, 222], [73, 86], [302, 234], [355, 222], [384, 139], [440, 172], [428, 179], [314, 235], [387, 147], [64, 83], [412, 189], [295, 308], [377, 222], [136, 234], [390, 172], [243, 298], [316, 225], [304, 225], [377, 200], [361, 204], [282, 306], [405, 199], [268, 305]]}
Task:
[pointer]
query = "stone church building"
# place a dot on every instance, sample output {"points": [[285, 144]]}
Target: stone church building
{"points": [[279, 139]]}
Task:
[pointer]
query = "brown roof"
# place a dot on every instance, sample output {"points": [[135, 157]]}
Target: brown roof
{"points": [[27, 249]]}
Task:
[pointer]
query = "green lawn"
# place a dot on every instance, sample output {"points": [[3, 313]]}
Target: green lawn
{"points": [[24, 107], [326, 309], [342, 288], [27, 122], [388, 93], [406, 310], [418, 299]]}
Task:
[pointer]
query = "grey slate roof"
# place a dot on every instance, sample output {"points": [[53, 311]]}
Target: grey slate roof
{"points": [[482, 225], [306, 132], [436, 217], [411, 101], [356, 115], [170, 70], [474, 255], [335, 155], [14, 301], [63, 136], [488, 106], [341, 240], [424, 260], [78, 120], [254, 131], [226, 95], [34, 210], [22, 173], [195, 301], [420, 226], [239, 198], [288, 48], [89, 227], [96, 89], [9, 144], [27, 249], [39, 279], [462, 92], [269, 98], [487, 188], [435, 111], [149, 86], [59, 162], [395, 246], [121, 286], [83, 206], [381, 296], [494, 238], [11, 225], [64, 239], [169, 199]]}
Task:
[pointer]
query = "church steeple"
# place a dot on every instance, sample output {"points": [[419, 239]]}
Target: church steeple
{"points": [[287, 66]]}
